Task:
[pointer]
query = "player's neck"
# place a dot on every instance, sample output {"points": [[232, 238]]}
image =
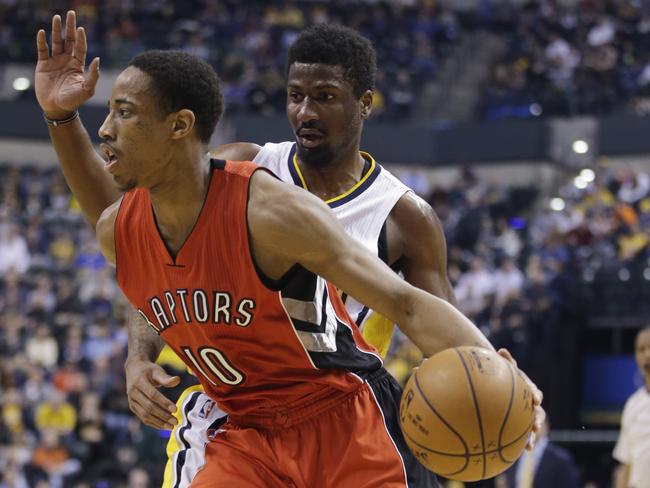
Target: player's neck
{"points": [[178, 198], [335, 178]]}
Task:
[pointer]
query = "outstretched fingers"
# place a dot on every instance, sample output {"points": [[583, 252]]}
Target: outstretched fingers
{"points": [[57, 41], [70, 32], [41, 46], [80, 46]]}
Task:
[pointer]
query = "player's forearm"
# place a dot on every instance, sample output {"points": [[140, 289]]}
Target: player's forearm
{"points": [[83, 169], [144, 344], [435, 325]]}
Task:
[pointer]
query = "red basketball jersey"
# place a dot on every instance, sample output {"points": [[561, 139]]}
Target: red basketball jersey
{"points": [[211, 305]]}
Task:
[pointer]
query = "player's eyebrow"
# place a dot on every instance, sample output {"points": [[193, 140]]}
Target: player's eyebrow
{"points": [[319, 86], [121, 101]]}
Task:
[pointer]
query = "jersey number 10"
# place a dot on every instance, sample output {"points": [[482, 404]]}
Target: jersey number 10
{"points": [[213, 364]]}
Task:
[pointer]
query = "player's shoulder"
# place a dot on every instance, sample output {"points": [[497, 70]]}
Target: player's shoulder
{"points": [[386, 175], [267, 189], [412, 210], [274, 200], [414, 230]]}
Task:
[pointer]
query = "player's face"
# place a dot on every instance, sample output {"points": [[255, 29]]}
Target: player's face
{"points": [[642, 352], [323, 111], [135, 134]]}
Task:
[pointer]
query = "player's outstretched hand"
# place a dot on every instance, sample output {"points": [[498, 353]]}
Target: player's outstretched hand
{"points": [[143, 378], [59, 81], [538, 396]]}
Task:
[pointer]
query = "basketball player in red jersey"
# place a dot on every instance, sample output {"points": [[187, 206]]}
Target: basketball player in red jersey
{"points": [[313, 178]]}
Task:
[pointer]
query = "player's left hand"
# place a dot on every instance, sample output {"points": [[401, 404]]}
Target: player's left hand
{"points": [[60, 81], [538, 396]]}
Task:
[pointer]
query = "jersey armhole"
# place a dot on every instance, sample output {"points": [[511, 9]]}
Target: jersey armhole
{"points": [[382, 243], [270, 283]]}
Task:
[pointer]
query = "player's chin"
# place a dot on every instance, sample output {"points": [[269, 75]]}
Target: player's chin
{"points": [[124, 185], [320, 155]]}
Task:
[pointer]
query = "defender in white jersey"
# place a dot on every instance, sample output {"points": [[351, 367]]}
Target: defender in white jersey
{"points": [[330, 85]]}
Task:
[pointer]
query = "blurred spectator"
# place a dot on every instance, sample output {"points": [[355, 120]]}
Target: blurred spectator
{"points": [[56, 414], [474, 287], [508, 281], [41, 298], [138, 478], [51, 460], [13, 250], [42, 349]]}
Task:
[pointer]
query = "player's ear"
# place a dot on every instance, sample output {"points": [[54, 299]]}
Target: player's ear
{"points": [[182, 122], [365, 103]]}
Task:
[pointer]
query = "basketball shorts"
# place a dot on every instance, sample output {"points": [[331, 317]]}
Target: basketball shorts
{"points": [[338, 440]]}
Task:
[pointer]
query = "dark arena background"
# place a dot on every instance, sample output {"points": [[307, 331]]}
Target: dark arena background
{"points": [[523, 123]]}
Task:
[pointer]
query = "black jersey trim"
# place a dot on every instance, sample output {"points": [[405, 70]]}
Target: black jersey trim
{"points": [[297, 180], [382, 243], [217, 164]]}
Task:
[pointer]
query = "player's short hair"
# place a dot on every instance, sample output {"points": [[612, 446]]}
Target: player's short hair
{"points": [[184, 81], [338, 46]]}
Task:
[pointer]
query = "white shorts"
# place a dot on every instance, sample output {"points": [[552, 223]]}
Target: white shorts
{"points": [[198, 418]]}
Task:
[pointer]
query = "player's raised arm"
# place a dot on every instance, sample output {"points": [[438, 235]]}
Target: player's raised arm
{"points": [[62, 85], [291, 226]]}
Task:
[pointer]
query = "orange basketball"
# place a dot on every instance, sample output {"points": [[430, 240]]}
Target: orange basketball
{"points": [[466, 413]]}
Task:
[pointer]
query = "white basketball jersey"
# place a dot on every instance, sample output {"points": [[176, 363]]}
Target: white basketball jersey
{"points": [[362, 210]]}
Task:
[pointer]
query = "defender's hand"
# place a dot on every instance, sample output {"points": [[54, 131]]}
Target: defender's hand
{"points": [[59, 80], [143, 378], [538, 396]]}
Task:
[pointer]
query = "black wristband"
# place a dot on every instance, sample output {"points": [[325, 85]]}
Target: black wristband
{"points": [[56, 123]]}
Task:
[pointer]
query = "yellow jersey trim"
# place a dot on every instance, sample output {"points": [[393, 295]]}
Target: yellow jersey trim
{"points": [[367, 174]]}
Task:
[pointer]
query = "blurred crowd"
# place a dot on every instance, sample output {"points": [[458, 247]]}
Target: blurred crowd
{"points": [[517, 266], [588, 58], [247, 41], [561, 58], [63, 409]]}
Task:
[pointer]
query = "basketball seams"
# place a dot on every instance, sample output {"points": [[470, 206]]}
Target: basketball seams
{"points": [[477, 408], [505, 420], [447, 424], [442, 419]]}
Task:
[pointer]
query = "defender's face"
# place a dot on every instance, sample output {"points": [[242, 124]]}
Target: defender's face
{"points": [[642, 352], [325, 115], [135, 134]]}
